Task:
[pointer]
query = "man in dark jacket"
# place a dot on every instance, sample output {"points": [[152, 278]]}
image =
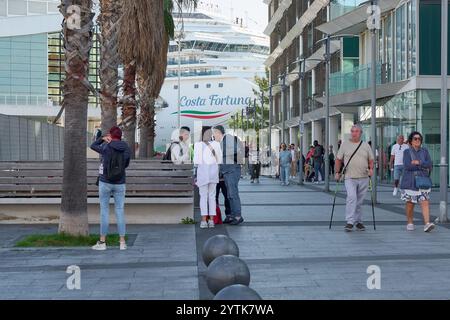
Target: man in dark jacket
{"points": [[115, 155], [233, 157]]}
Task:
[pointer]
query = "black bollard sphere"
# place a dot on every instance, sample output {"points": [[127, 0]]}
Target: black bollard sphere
{"points": [[218, 246], [237, 292], [225, 271]]}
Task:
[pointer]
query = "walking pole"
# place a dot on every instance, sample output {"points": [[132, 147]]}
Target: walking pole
{"points": [[373, 209], [334, 202]]}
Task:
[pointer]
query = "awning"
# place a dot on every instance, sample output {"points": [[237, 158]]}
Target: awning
{"points": [[354, 22], [277, 16]]}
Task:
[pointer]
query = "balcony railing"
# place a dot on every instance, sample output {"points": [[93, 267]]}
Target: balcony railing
{"points": [[357, 79], [26, 100], [172, 74]]}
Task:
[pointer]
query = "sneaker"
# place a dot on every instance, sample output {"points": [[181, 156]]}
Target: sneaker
{"points": [[360, 227], [253, 181], [227, 220], [282, 184], [204, 224], [348, 227], [394, 193], [428, 227], [236, 221], [100, 246], [123, 245], [410, 227], [257, 180], [211, 224], [287, 183]]}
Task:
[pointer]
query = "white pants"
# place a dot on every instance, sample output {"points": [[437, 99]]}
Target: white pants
{"points": [[208, 199]]}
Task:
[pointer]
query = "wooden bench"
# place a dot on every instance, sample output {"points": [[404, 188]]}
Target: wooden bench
{"points": [[157, 191]]}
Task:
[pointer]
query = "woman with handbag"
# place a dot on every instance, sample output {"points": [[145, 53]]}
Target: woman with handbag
{"points": [[207, 157], [416, 182]]}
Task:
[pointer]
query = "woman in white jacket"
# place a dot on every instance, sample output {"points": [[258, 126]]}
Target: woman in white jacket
{"points": [[207, 157]]}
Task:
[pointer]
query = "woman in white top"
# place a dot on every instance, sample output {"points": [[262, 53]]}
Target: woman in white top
{"points": [[207, 157]]}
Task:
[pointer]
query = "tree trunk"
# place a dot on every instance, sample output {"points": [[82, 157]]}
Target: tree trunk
{"points": [[146, 116], [129, 107], [109, 64], [77, 29]]}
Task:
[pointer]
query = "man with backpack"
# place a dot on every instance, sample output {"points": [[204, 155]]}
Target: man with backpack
{"points": [[179, 150], [115, 155], [318, 161], [233, 153]]}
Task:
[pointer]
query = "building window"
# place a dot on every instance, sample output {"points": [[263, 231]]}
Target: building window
{"points": [[175, 87], [220, 85], [208, 85], [195, 86]]}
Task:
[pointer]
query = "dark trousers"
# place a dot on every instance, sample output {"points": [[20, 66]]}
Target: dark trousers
{"points": [[255, 170], [222, 188]]}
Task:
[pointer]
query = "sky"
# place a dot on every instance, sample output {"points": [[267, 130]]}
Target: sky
{"points": [[255, 10]]}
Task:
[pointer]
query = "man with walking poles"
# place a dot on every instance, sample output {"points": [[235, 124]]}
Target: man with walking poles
{"points": [[357, 157]]}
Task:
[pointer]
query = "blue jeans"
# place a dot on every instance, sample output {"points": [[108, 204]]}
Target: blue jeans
{"points": [[318, 167], [118, 192], [284, 174], [398, 172], [231, 175]]}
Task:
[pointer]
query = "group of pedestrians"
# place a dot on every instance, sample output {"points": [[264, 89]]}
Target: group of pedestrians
{"points": [[412, 167], [218, 159]]}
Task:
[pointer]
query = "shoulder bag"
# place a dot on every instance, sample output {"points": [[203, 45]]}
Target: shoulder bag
{"points": [[421, 182]]}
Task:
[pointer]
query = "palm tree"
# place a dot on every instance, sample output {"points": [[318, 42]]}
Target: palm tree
{"points": [[144, 36], [77, 32], [110, 60], [149, 87]]}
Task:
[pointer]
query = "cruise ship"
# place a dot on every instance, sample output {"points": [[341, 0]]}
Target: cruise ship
{"points": [[211, 66]]}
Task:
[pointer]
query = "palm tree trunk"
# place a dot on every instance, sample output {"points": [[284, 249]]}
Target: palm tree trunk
{"points": [[109, 64], [129, 106], [77, 43], [146, 116]]}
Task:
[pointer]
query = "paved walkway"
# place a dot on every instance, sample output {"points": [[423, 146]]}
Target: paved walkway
{"points": [[285, 242]]}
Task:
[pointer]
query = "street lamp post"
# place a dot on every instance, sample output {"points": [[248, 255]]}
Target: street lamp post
{"points": [[180, 36], [327, 57], [283, 106], [373, 74], [443, 181]]}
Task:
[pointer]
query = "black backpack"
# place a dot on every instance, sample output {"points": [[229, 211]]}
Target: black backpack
{"points": [[168, 155], [116, 166]]}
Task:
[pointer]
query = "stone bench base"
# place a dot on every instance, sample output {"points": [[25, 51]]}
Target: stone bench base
{"points": [[137, 210]]}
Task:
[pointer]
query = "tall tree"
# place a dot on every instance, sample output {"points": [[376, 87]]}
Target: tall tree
{"points": [[143, 41], [108, 21], [150, 85], [77, 32]]}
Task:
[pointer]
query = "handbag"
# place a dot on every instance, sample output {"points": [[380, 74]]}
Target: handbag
{"points": [[422, 182]]}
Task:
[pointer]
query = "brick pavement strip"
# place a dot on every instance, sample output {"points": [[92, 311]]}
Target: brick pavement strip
{"points": [[286, 244]]}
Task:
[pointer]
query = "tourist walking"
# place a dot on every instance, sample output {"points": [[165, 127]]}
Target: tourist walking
{"points": [[332, 160], [207, 157], [358, 160], [396, 162], [115, 157], [285, 160], [416, 182], [294, 154], [230, 168], [318, 161], [254, 163]]}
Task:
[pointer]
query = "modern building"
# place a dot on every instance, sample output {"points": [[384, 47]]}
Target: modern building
{"points": [[407, 72], [211, 67]]}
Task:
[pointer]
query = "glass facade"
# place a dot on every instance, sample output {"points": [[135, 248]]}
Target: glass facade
{"points": [[23, 69], [402, 114]]}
